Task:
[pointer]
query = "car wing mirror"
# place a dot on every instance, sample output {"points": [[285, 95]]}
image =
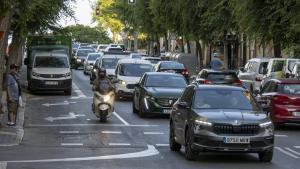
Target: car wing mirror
{"points": [[183, 105]]}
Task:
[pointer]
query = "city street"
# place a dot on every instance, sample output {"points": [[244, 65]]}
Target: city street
{"points": [[62, 132]]}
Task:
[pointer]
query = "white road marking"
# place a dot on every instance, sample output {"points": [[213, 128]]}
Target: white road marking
{"points": [[153, 133], [70, 116], [293, 151], [150, 151], [119, 144], [74, 125], [3, 165], [78, 91], [279, 135], [111, 132], [297, 146], [58, 104], [71, 144], [120, 118], [162, 145], [88, 119], [69, 132], [286, 152]]}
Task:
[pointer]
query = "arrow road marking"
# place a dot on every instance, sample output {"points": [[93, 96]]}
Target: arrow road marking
{"points": [[71, 116], [150, 151], [58, 104], [71, 144], [69, 132], [111, 132], [121, 119]]}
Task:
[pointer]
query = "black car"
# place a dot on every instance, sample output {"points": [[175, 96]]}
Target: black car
{"points": [[221, 119], [156, 93], [172, 67], [224, 77], [80, 56]]}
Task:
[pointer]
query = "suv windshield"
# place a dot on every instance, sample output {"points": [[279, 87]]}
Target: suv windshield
{"points": [[109, 63], [93, 57], [169, 81], [51, 62], [136, 70], [224, 99], [293, 89]]}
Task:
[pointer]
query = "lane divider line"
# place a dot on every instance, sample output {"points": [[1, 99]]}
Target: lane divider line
{"points": [[111, 132], [286, 152], [293, 151], [119, 144], [71, 144], [162, 145], [3, 165], [153, 133], [121, 119], [69, 132], [297, 146], [279, 135], [78, 91], [87, 124]]}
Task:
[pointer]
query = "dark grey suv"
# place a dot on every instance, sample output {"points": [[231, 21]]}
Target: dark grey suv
{"points": [[220, 118]]}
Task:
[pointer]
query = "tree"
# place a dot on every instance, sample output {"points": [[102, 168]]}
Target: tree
{"points": [[87, 34]]}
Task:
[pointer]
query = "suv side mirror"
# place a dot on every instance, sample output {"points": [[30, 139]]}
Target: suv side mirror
{"points": [[26, 61], [183, 105]]}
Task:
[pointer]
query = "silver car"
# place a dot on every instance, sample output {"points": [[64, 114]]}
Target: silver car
{"points": [[253, 72], [89, 62]]}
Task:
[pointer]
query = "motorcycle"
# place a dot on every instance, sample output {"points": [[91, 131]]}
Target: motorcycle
{"points": [[103, 105]]}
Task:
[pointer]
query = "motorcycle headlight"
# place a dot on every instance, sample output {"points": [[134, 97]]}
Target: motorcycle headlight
{"points": [[95, 70], [35, 74], [78, 60], [106, 98]]}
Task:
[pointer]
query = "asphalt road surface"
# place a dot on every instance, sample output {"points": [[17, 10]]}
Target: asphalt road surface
{"points": [[61, 132]]}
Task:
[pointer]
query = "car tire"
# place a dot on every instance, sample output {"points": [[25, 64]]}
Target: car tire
{"points": [[68, 92], [190, 154], [174, 146], [142, 110], [266, 156], [134, 110]]}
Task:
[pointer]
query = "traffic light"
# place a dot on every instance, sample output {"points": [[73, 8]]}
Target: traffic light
{"points": [[97, 11], [131, 2]]}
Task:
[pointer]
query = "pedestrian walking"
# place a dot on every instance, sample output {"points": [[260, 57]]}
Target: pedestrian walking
{"points": [[216, 63], [13, 94]]}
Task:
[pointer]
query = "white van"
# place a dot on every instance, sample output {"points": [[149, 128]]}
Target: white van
{"points": [[279, 68], [128, 73], [51, 71], [252, 74], [109, 63]]}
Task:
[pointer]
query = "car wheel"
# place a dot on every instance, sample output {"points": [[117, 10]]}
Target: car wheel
{"points": [[68, 92], [142, 110], [174, 146], [134, 110], [266, 156], [190, 154]]}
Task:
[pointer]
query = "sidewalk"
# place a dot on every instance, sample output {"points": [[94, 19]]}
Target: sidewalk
{"points": [[12, 136]]}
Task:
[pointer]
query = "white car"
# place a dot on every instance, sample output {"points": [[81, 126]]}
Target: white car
{"points": [[90, 61], [101, 47], [252, 74], [109, 63], [128, 73], [136, 55], [153, 60]]}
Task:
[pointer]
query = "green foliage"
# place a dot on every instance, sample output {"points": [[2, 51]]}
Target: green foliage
{"points": [[86, 34]]}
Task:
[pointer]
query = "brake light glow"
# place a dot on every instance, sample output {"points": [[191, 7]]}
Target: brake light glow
{"points": [[185, 72], [207, 82], [238, 82]]}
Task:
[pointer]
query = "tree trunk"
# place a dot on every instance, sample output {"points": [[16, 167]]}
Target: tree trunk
{"points": [[277, 50], [199, 54], [15, 52], [188, 46], [182, 45], [166, 42], [157, 44]]}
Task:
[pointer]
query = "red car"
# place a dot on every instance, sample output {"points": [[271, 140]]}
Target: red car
{"points": [[281, 99]]}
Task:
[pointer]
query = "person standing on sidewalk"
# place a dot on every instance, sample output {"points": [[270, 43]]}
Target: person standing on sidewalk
{"points": [[13, 94]]}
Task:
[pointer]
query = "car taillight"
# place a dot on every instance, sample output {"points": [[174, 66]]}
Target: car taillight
{"points": [[207, 82], [238, 82], [185, 72]]}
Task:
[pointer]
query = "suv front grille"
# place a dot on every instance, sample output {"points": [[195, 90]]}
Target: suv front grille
{"points": [[239, 129], [51, 75], [165, 102]]}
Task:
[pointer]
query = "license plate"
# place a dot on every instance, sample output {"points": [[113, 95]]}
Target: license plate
{"points": [[51, 83], [296, 114], [237, 140], [167, 111]]}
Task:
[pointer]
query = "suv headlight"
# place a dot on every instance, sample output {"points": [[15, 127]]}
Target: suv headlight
{"points": [[67, 74], [35, 74], [149, 97], [265, 124], [268, 127], [203, 123], [122, 82]]}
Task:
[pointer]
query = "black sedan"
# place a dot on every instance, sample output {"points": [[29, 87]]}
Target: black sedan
{"points": [[222, 119], [156, 93], [208, 76], [172, 67]]}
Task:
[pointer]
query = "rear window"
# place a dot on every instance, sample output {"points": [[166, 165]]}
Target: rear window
{"points": [[171, 65], [93, 57], [109, 63], [168, 81], [135, 70], [224, 99], [292, 89], [84, 53], [136, 57], [228, 77]]}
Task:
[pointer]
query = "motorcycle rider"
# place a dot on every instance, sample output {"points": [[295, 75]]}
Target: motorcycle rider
{"points": [[102, 84]]}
